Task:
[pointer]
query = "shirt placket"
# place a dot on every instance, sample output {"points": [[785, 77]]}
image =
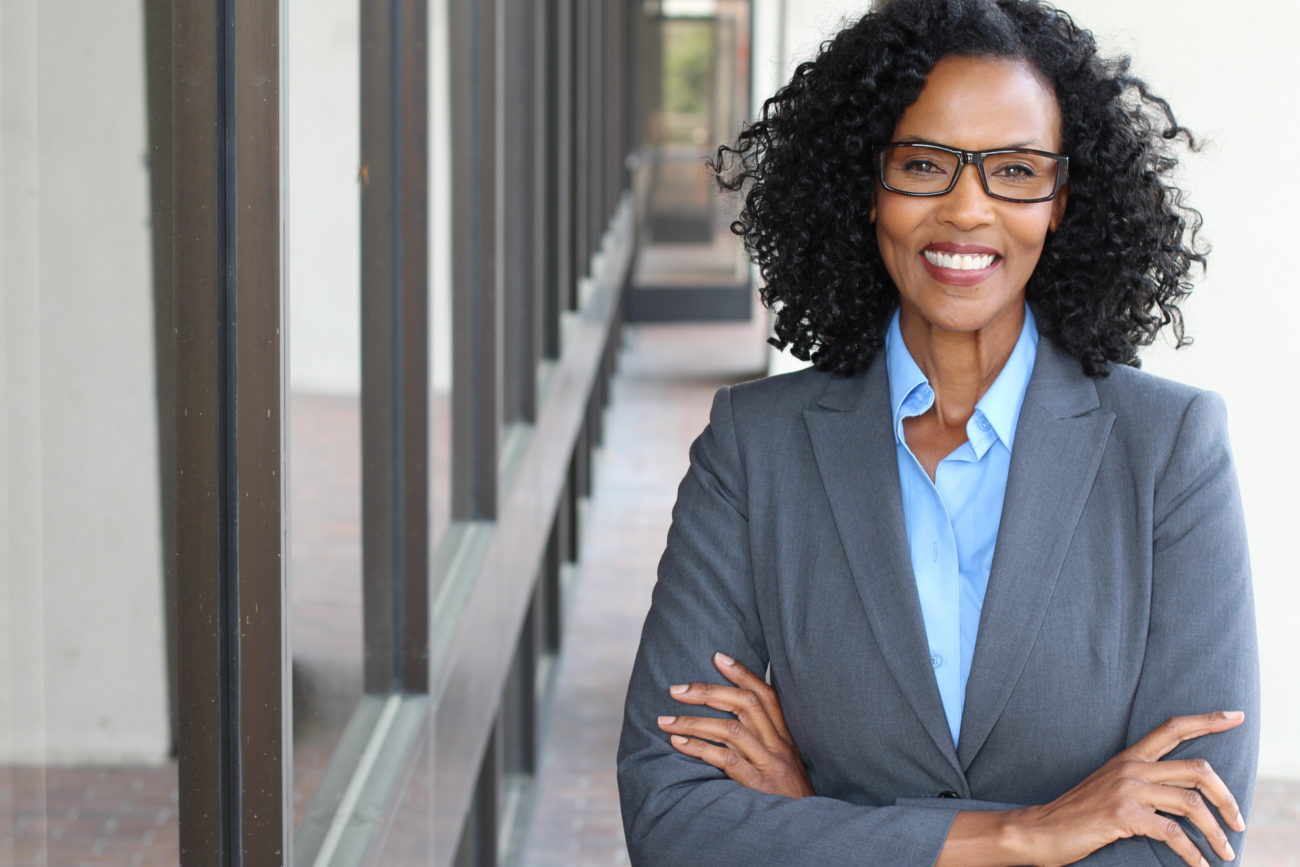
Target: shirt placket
{"points": [[943, 627]]}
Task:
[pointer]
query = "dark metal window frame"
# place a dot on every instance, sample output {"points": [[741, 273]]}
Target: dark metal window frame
{"points": [[395, 343], [476, 699], [354, 803], [518, 133], [475, 368], [498, 618], [229, 492]]}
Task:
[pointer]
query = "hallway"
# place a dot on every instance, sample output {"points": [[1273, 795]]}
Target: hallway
{"points": [[662, 392]]}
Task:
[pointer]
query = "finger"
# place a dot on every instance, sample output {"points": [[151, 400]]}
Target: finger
{"points": [[731, 733], [725, 760], [744, 703], [725, 698], [736, 672], [1188, 802], [1178, 729], [1168, 831], [1197, 773]]}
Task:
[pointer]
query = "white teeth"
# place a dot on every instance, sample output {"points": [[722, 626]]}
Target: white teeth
{"points": [[958, 261]]}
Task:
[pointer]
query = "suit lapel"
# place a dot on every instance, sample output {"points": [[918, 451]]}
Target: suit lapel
{"points": [[1059, 441], [855, 453]]}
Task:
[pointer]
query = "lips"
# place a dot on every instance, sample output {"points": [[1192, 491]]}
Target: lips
{"points": [[960, 264]]}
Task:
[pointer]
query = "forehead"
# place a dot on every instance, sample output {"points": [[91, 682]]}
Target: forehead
{"points": [[981, 103]]}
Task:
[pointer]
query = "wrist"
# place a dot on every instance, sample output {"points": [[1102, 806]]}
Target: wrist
{"points": [[989, 839], [1017, 835]]}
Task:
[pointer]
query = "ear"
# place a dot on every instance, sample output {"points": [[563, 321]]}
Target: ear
{"points": [[1058, 208]]}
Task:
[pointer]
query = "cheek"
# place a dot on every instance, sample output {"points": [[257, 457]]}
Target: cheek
{"points": [[889, 244], [1030, 228], [896, 221]]}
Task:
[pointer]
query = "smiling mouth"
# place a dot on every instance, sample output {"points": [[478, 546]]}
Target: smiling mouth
{"points": [[960, 261]]}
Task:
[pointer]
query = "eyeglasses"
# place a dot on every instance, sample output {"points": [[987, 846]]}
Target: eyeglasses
{"points": [[1010, 174]]}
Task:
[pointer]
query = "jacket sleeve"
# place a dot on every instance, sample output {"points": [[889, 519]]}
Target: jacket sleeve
{"points": [[1201, 653], [677, 809]]}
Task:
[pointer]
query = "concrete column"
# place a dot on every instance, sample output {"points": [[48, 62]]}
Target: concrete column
{"points": [[84, 674]]}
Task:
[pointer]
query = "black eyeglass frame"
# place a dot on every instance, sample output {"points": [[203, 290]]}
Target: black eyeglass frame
{"points": [[976, 158]]}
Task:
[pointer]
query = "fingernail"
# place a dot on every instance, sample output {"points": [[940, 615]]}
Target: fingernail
{"points": [[679, 740], [1205, 863], [1233, 714], [667, 720], [724, 659], [679, 688], [1232, 856]]}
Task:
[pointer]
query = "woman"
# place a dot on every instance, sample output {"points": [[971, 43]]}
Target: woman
{"points": [[997, 575]]}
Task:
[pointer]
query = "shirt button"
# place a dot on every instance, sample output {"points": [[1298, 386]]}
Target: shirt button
{"points": [[936, 660], [984, 424]]}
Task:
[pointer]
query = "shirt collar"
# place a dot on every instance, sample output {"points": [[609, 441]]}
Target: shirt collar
{"points": [[910, 393]]}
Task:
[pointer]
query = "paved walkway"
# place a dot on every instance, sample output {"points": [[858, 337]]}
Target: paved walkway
{"points": [[661, 401], [665, 385]]}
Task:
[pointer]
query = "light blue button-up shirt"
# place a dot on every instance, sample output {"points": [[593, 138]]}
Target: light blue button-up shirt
{"points": [[952, 522]]}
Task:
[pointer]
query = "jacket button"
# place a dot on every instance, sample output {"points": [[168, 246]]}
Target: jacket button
{"points": [[948, 793]]}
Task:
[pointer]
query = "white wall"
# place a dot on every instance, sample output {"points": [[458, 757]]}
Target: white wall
{"points": [[82, 664], [323, 205], [1230, 78], [322, 158], [440, 179], [1231, 82]]}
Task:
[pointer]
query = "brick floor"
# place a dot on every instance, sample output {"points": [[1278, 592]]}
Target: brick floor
{"points": [[324, 521], [661, 401], [68, 817]]}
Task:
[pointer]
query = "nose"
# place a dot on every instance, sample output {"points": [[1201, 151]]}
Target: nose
{"points": [[967, 206]]}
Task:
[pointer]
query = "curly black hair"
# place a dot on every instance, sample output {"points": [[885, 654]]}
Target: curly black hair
{"points": [[1109, 278]]}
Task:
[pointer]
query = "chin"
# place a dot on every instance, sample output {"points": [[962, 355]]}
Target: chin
{"points": [[965, 314]]}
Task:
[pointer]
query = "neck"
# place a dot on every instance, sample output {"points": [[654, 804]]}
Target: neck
{"points": [[960, 365]]}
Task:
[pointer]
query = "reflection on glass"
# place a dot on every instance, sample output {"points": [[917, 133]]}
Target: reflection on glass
{"points": [[86, 767], [324, 428]]}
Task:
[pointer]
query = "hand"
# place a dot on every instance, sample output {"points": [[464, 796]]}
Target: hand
{"points": [[1120, 799], [757, 750]]}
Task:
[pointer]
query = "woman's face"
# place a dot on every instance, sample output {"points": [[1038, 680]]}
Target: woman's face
{"points": [[971, 103]]}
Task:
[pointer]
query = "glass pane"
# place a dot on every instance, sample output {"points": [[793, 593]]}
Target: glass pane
{"points": [[440, 331], [86, 767], [410, 837], [322, 155]]}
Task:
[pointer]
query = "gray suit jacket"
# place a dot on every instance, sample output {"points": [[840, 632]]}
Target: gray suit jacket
{"points": [[1119, 596]]}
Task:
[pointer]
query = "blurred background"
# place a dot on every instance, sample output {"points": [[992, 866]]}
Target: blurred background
{"points": [[351, 354]]}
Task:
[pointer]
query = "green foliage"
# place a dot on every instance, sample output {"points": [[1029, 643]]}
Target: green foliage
{"points": [[688, 64]]}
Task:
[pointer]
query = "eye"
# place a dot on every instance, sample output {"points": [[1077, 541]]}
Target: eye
{"points": [[1017, 171], [922, 166]]}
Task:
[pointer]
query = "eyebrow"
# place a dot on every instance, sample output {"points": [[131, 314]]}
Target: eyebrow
{"points": [[916, 139]]}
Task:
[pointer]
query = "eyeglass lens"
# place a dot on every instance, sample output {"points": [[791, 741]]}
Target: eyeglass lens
{"points": [[921, 169]]}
